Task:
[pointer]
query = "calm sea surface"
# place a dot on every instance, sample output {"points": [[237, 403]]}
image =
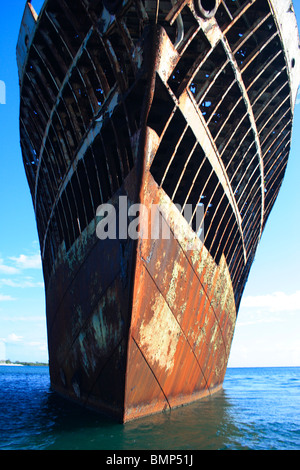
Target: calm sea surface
{"points": [[258, 409]]}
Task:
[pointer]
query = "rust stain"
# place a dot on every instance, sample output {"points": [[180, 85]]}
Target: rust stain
{"points": [[159, 337]]}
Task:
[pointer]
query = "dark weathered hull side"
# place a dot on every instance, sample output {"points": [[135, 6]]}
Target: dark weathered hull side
{"points": [[88, 302]]}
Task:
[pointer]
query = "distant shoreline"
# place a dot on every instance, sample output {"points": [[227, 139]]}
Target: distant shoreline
{"points": [[14, 365], [22, 364]]}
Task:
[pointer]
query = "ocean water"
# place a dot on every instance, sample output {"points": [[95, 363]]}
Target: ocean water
{"points": [[258, 409]]}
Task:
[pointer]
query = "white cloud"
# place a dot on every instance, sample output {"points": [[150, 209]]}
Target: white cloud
{"points": [[262, 318], [275, 302], [2, 92], [20, 263], [41, 346], [26, 319], [28, 262], [6, 298], [2, 350], [5, 269], [21, 283], [13, 338]]}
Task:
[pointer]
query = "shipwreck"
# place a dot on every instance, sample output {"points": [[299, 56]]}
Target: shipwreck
{"points": [[170, 104]]}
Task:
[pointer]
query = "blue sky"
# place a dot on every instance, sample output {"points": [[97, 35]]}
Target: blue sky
{"points": [[268, 326]]}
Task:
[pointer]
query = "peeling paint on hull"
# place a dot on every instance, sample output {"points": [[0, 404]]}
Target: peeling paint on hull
{"points": [[176, 107]]}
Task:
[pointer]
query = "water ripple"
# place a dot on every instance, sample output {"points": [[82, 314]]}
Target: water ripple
{"points": [[257, 409]]}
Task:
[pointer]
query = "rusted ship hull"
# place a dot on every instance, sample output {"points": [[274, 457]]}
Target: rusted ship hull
{"points": [[166, 105], [150, 330]]}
